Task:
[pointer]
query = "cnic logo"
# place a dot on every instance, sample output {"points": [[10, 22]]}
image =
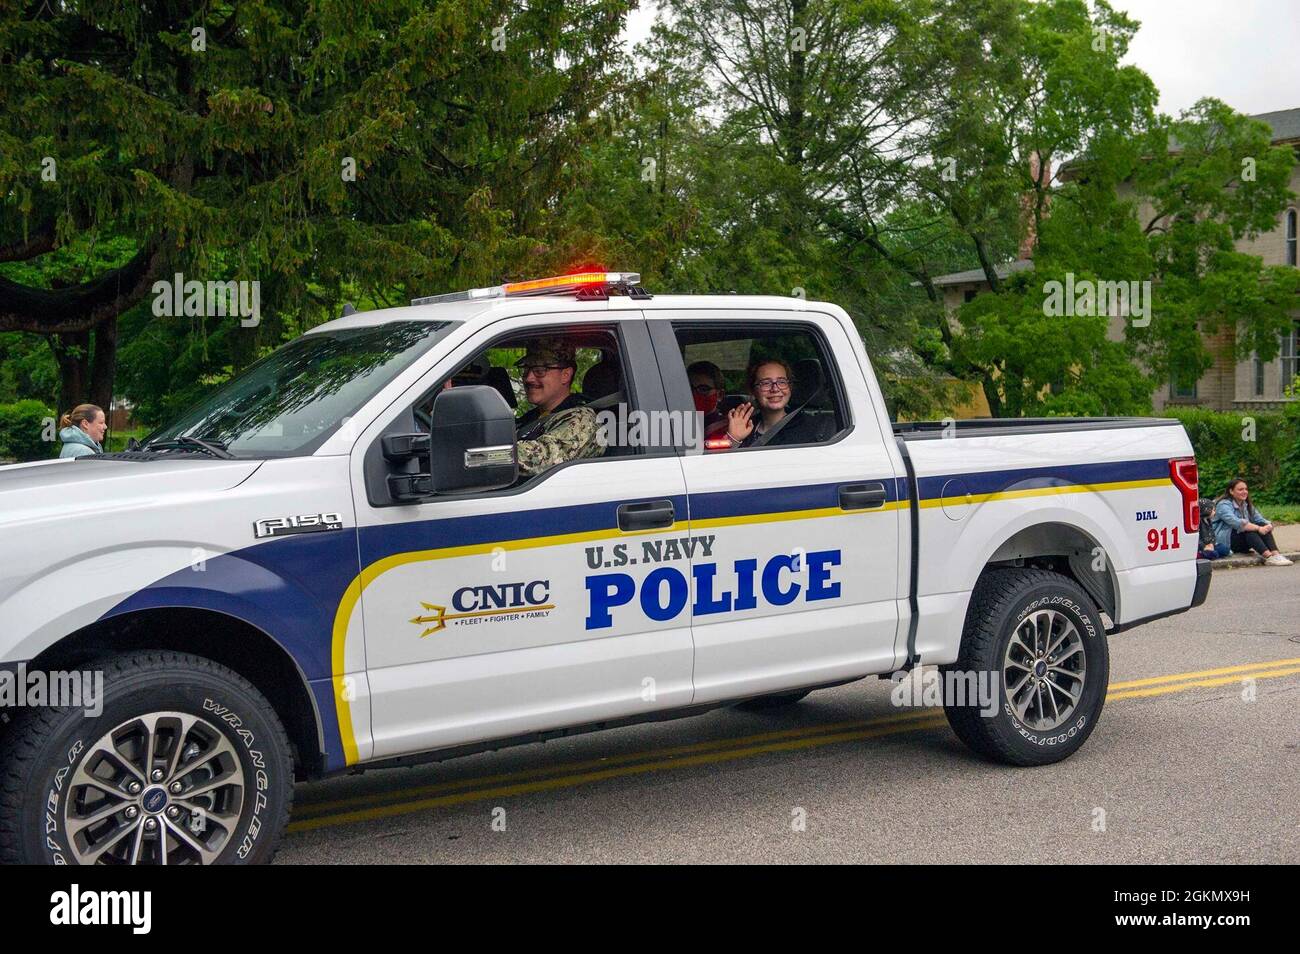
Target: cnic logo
{"points": [[475, 604]]}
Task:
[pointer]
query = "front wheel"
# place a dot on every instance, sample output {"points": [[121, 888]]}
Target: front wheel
{"points": [[1035, 637], [187, 763]]}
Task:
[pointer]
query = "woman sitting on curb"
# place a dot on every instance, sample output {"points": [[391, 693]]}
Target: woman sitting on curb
{"points": [[1240, 528]]}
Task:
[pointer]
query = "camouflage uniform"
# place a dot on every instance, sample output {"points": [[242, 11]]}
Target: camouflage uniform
{"points": [[568, 432]]}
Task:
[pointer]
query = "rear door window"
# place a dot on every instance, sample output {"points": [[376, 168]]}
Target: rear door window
{"points": [[762, 386]]}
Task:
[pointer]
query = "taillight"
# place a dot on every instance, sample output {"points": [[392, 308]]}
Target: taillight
{"points": [[1182, 471]]}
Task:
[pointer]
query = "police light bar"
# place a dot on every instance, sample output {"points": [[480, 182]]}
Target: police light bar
{"points": [[556, 284]]}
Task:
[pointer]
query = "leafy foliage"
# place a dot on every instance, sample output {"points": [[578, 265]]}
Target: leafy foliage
{"points": [[1223, 450], [1288, 482], [325, 149], [850, 150], [26, 431]]}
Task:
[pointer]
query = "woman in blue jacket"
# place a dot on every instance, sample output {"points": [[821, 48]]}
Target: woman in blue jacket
{"points": [[82, 431], [1240, 528]]}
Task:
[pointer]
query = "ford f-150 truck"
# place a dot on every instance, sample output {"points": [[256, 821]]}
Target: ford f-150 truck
{"points": [[336, 562]]}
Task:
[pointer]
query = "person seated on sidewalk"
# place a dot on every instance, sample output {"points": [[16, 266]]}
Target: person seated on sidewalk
{"points": [[1208, 549], [1240, 528]]}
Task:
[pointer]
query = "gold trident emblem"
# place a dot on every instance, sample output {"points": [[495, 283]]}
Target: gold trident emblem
{"points": [[438, 619], [440, 615]]}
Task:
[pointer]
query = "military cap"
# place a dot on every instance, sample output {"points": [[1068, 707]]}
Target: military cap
{"points": [[552, 350]]}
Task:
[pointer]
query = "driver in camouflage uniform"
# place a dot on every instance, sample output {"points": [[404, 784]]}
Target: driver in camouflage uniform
{"points": [[560, 427]]}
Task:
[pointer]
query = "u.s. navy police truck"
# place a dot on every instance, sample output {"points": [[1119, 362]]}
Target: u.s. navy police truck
{"points": [[336, 562]]}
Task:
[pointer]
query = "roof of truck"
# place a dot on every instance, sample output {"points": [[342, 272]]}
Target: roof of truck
{"points": [[485, 311]]}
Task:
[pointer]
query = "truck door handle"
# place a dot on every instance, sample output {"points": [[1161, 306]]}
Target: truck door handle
{"points": [[645, 515], [862, 496]]}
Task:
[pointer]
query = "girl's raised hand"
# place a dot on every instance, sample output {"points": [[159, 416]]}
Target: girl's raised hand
{"points": [[740, 422]]}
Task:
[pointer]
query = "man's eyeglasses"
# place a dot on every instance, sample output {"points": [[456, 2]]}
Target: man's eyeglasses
{"points": [[538, 369], [772, 384]]}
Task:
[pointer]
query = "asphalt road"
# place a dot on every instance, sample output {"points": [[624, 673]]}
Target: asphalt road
{"points": [[1196, 759]]}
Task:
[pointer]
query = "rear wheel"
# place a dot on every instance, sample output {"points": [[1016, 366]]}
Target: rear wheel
{"points": [[1036, 637], [187, 763], [768, 703]]}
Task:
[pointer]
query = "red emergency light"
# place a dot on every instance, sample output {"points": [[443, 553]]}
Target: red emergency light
{"points": [[576, 282]]}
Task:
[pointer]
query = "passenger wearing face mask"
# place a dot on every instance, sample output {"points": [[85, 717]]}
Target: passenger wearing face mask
{"points": [[708, 389]]}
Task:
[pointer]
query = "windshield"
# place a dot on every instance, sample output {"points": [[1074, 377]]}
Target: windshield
{"points": [[288, 403]]}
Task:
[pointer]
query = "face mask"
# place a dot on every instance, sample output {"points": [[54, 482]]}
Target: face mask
{"points": [[706, 403]]}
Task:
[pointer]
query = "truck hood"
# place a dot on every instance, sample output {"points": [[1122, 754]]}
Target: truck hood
{"points": [[86, 487]]}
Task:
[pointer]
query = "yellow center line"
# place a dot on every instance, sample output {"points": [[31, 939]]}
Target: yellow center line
{"points": [[322, 807], [323, 814], [304, 809], [1203, 683], [934, 721], [1178, 677]]}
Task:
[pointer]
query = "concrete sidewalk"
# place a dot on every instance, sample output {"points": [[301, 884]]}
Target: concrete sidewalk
{"points": [[1288, 543]]}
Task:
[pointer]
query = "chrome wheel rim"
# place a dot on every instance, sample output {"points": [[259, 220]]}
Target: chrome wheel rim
{"points": [[165, 788], [1044, 670]]}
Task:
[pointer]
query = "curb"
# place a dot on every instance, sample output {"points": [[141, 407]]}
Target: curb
{"points": [[1239, 562]]}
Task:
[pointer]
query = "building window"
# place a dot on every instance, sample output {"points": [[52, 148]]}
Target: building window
{"points": [[1290, 237], [970, 295], [1259, 377], [1182, 387], [1290, 357]]}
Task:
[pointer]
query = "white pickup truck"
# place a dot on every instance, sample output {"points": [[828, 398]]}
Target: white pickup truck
{"points": [[336, 562]]}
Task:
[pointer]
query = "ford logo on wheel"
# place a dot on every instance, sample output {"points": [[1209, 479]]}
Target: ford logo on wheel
{"points": [[155, 800]]}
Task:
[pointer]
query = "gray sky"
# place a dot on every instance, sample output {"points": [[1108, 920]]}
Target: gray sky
{"points": [[1244, 52]]}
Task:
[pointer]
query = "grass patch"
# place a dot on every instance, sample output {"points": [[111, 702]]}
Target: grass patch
{"points": [[1281, 513]]}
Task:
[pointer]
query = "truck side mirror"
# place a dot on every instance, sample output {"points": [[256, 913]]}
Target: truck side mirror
{"points": [[471, 441], [469, 447]]}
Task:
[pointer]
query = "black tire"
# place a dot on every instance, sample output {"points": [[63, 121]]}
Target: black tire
{"points": [[767, 703], [179, 707], [1000, 607]]}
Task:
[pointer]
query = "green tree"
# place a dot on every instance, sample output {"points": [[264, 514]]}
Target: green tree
{"points": [[322, 148], [1165, 208], [1217, 181], [1050, 145], [993, 167]]}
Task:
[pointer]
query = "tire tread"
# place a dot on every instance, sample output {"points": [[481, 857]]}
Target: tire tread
{"points": [[23, 739], [996, 592]]}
